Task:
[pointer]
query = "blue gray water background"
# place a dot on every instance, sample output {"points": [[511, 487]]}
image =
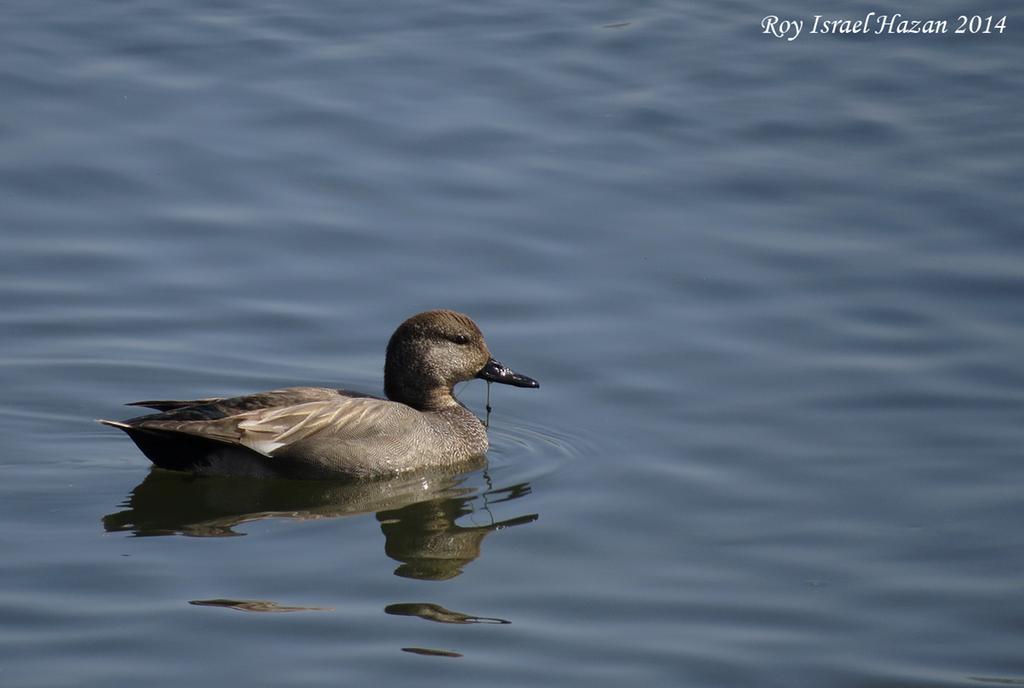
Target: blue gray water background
{"points": [[772, 291]]}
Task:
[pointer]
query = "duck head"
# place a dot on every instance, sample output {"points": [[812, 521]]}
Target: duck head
{"points": [[432, 351]]}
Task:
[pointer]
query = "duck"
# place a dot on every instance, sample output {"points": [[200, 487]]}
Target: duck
{"points": [[326, 433]]}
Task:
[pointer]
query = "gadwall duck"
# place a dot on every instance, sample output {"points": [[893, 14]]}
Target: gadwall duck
{"points": [[316, 432]]}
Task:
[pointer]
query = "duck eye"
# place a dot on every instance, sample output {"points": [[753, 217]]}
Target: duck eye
{"points": [[460, 339]]}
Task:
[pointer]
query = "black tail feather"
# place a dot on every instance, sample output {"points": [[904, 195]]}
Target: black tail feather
{"points": [[172, 404]]}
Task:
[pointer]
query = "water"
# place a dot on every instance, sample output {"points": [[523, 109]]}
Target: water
{"points": [[771, 290]]}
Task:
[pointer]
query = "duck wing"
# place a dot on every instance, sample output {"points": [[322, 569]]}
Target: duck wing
{"points": [[348, 419], [267, 428], [219, 407]]}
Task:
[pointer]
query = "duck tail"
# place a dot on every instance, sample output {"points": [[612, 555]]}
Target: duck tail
{"points": [[173, 404], [114, 424]]}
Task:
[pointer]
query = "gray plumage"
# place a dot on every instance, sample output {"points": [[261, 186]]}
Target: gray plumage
{"points": [[315, 432]]}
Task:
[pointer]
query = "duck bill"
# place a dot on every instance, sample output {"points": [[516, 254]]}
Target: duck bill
{"points": [[495, 371]]}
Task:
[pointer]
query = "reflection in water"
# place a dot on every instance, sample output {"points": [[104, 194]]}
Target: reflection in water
{"points": [[256, 606], [434, 612], [417, 513], [430, 652], [425, 537]]}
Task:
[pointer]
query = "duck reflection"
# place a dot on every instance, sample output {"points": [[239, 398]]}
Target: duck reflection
{"points": [[427, 539], [263, 606], [418, 514], [435, 612]]}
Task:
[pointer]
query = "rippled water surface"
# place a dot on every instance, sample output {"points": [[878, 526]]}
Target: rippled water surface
{"points": [[772, 291]]}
